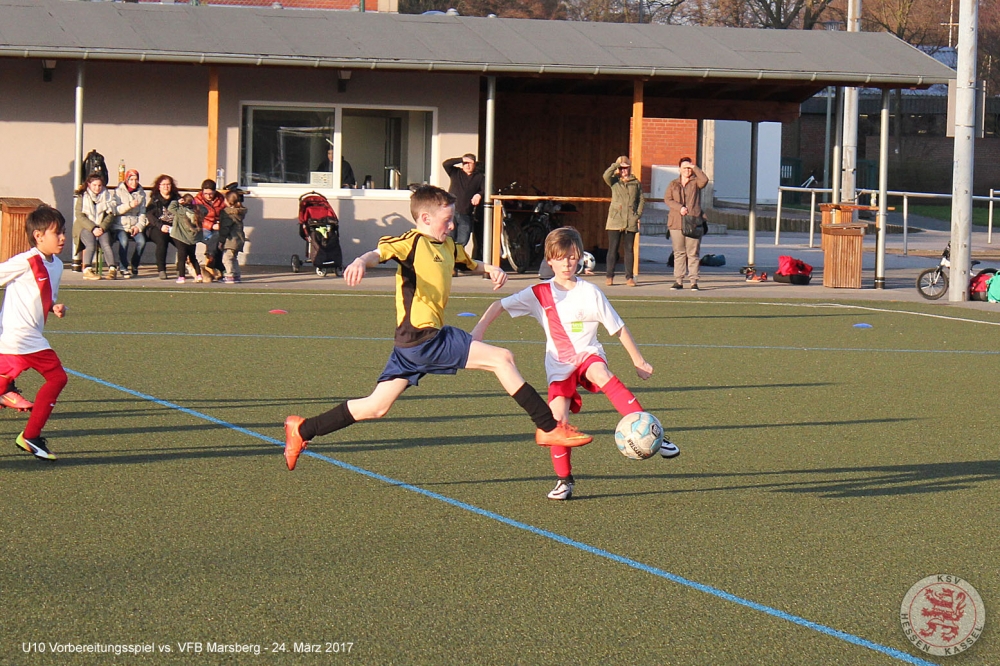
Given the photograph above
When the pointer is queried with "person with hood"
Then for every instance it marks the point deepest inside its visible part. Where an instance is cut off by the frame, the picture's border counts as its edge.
(131, 224)
(231, 235)
(627, 203)
(188, 220)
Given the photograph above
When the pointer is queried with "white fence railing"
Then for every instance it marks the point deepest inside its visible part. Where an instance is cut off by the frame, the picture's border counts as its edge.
(906, 196)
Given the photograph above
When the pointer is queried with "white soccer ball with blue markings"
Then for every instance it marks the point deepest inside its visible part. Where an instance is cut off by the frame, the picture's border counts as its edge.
(639, 435)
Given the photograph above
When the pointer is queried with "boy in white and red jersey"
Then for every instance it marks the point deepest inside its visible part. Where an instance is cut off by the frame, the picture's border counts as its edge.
(32, 283)
(571, 310)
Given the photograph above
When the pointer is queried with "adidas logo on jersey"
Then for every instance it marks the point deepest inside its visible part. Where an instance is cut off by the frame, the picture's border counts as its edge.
(438, 259)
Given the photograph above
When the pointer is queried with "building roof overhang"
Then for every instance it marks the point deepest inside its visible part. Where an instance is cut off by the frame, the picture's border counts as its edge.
(770, 67)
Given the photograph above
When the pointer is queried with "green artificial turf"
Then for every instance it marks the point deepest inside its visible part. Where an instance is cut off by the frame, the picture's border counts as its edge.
(824, 470)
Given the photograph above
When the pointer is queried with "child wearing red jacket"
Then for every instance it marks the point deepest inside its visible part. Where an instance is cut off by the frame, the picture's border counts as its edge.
(214, 204)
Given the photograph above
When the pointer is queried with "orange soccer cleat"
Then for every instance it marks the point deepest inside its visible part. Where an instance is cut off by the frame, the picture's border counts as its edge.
(563, 435)
(294, 444)
(14, 400)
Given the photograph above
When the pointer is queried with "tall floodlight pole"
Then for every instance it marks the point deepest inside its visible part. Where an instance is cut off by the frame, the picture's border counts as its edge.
(838, 147)
(752, 213)
(76, 264)
(826, 141)
(848, 183)
(883, 190)
(491, 110)
(965, 126)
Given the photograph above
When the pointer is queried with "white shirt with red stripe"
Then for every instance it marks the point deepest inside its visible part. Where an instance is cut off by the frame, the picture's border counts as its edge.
(570, 319)
(32, 284)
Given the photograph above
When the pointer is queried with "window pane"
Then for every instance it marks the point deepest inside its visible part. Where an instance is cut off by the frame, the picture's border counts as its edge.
(387, 148)
(286, 145)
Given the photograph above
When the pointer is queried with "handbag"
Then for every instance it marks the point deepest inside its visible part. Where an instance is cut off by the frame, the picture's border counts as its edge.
(692, 226)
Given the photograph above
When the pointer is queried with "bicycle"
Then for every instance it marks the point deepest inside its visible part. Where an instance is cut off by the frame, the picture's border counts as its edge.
(522, 241)
(932, 283)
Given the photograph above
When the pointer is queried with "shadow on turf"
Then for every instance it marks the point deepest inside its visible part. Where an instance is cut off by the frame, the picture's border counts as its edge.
(20, 461)
(712, 317)
(879, 481)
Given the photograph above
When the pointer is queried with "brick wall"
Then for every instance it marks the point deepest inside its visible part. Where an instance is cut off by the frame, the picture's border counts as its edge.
(928, 162)
(804, 138)
(666, 141)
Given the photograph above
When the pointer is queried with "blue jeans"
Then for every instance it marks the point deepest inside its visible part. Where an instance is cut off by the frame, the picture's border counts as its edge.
(90, 243)
(123, 239)
(463, 229)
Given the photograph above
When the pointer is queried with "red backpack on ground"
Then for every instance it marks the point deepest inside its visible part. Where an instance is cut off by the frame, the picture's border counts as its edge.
(978, 285)
(793, 271)
(791, 266)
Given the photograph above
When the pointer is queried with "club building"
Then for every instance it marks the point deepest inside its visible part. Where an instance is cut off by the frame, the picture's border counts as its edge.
(259, 96)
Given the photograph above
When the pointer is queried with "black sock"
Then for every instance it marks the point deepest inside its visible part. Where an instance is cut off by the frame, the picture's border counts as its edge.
(336, 419)
(531, 402)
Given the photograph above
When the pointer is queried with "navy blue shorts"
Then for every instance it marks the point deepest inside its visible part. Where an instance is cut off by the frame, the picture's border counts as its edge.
(444, 354)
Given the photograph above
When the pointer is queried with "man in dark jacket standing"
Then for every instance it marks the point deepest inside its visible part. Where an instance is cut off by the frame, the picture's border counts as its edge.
(467, 188)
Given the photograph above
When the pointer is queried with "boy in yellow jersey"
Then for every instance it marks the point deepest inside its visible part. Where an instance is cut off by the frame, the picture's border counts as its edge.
(423, 344)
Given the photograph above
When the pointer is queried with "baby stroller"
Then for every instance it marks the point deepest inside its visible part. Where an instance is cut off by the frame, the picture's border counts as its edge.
(320, 228)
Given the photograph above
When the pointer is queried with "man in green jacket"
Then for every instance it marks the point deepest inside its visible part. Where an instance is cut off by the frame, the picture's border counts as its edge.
(623, 216)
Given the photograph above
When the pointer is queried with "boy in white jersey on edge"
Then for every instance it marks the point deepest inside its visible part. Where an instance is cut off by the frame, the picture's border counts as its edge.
(32, 283)
(570, 310)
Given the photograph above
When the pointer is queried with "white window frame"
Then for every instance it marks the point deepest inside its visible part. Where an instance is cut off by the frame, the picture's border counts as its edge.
(290, 190)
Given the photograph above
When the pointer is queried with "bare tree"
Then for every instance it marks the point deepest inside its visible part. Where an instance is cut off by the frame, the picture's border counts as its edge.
(785, 14)
(536, 9)
(778, 14)
(989, 46)
(918, 22)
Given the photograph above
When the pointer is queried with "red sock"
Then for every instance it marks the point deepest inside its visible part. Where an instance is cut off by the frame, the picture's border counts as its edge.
(48, 365)
(621, 398)
(560, 461)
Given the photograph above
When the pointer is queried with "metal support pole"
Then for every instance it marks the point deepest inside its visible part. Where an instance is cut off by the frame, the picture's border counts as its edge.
(883, 189)
(838, 146)
(906, 223)
(965, 127)
(830, 94)
(76, 264)
(777, 220)
(848, 183)
(491, 254)
(989, 228)
(752, 217)
(812, 217)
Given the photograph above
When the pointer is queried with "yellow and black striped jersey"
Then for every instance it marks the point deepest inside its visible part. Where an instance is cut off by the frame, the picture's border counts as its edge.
(423, 282)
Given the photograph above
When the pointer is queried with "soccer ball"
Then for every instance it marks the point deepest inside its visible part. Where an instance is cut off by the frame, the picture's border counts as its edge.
(587, 264)
(639, 435)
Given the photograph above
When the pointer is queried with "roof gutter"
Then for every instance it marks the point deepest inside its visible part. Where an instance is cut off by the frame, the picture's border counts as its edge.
(821, 78)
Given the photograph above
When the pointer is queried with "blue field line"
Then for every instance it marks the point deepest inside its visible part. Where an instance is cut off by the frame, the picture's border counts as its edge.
(593, 550)
(263, 336)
